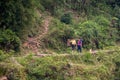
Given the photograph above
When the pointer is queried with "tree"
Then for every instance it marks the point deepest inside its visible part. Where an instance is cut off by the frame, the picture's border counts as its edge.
(16, 14)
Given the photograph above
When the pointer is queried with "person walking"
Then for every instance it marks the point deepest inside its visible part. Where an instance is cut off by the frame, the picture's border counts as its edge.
(73, 44)
(79, 45)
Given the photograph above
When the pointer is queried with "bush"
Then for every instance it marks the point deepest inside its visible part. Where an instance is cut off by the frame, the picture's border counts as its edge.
(116, 60)
(12, 71)
(60, 33)
(102, 21)
(90, 33)
(4, 55)
(66, 18)
(97, 33)
(9, 40)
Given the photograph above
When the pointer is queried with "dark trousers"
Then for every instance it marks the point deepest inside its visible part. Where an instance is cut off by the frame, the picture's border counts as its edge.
(79, 48)
(73, 47)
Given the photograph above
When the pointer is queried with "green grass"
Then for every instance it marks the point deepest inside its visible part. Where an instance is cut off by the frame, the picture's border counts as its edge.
(74, 66)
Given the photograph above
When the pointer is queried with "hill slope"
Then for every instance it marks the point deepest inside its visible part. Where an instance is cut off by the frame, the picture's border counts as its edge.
(43, 27)
(103, 65)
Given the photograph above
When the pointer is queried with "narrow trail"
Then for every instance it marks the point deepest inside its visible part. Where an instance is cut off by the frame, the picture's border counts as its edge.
(33, 43)
(76, 53)
(3, 78)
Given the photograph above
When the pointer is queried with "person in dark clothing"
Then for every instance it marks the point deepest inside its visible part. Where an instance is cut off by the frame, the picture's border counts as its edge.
(96, 44)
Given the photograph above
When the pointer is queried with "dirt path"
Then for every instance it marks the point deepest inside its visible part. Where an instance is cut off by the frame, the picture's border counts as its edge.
(74, 53)
(3, 78)
(33, 43)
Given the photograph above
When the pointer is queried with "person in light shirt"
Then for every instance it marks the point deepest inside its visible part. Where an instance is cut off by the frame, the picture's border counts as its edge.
(73, 44)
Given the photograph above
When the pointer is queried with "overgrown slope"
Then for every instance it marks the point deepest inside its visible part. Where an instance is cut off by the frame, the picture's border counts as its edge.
(44, 26)
(94, 21)
(101, 66)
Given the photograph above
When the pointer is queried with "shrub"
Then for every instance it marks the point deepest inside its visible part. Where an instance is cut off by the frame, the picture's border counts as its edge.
(116, 60)
(5, 55)
(90, 33)
(66, 18)
(97, 33)
(12, 71)
(9, 40)
(60, 33)
(102, 21)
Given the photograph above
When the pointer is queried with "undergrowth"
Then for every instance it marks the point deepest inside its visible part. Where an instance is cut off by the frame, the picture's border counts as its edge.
(75, 66)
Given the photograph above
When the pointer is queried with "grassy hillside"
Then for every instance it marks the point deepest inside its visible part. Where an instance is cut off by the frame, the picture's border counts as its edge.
(91, 20)
(102, 66)
(34, 34)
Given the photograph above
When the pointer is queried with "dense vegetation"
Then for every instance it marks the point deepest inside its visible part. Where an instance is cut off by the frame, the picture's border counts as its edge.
(102, 66)
(97, 22)
(94, 21)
